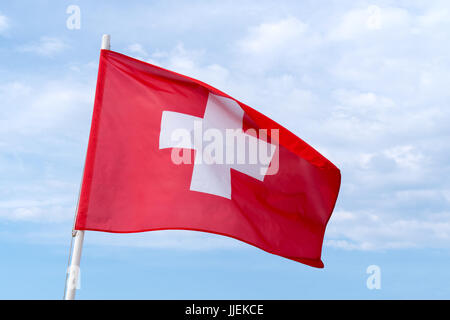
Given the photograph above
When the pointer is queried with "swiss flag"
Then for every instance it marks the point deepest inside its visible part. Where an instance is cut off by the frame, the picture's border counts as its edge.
(164, 153)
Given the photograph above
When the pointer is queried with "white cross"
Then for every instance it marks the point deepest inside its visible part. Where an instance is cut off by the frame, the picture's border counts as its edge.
(220, 114)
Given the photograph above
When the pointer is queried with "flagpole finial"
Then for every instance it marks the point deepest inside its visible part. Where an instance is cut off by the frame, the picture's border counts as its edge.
(106, 42)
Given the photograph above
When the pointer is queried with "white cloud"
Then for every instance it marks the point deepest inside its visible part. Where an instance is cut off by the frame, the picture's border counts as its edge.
(38, 107)
(364, 106)
(366, 86)
(276, 36)
(405, 156)
(286, 43)
(37, 214)
(189, 62)
(137, 51)
(362, 22)
(46, 46)
(369, 231)
(44, 126)
(41, 211)
(361, 100)
(378, 174)
(434, 18)
(4, 23)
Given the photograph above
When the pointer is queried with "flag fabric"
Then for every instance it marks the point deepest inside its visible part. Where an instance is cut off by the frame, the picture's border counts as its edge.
(168, 152)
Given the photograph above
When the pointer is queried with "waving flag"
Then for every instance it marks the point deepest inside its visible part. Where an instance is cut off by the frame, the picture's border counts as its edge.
(169, 152)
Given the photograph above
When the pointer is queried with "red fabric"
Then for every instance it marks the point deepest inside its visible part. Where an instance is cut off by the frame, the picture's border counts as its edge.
(130, 185)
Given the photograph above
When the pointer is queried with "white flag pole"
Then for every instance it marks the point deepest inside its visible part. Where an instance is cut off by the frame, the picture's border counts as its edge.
(74, 269)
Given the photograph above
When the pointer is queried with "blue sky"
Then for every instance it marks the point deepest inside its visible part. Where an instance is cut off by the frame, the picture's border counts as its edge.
(364, 82)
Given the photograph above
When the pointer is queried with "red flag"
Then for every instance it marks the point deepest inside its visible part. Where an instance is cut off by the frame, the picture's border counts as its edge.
(169, 152)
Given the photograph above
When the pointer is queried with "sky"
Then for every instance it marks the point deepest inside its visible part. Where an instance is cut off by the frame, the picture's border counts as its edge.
(363, 82)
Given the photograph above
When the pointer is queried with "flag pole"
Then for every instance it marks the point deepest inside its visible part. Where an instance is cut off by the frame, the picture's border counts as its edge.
(78, 235)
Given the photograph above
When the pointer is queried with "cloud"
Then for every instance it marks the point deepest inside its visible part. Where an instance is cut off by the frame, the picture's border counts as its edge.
(364, 22)
(44, 201)
(4, 24)
(362, 100)
(276, 44)
(405, 156)
(35, 211)
(44, 126)
(434, 18)
(137, 51)
(187, 62)
(373, 108)
(383, 164)
(275, 36)
(46, 46)
(365, 85)
(36, 108)
(371, 231)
